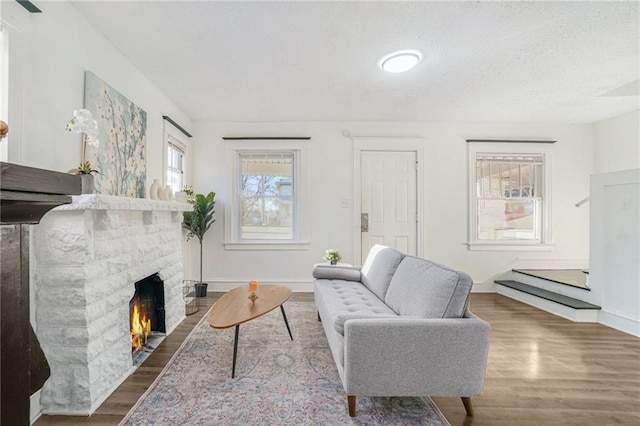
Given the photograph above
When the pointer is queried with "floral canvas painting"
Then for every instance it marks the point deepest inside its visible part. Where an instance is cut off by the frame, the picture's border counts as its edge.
(120, 158)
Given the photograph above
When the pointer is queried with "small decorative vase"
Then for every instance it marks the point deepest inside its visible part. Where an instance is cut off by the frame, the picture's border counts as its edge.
(88, 184)
(167, 193)
(333, 262)
(154, 191)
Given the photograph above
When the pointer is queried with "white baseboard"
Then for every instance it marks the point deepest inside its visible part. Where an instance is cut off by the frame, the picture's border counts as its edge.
(620, 322)
(576, 315)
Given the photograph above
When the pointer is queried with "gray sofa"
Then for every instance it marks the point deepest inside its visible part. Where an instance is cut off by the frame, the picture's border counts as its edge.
(399, 326)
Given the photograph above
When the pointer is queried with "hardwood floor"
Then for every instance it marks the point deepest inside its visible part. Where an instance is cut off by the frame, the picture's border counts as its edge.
(545, 370)
(542, 370)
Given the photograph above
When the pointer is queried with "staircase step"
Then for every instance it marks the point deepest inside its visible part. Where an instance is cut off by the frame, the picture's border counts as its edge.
(570, 277)
(548, 295)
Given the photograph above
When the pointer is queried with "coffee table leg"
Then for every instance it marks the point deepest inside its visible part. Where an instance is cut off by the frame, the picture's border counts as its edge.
(235, 351)
(285, 321)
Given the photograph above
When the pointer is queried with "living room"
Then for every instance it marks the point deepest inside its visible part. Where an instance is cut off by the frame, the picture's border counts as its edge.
(578, 54)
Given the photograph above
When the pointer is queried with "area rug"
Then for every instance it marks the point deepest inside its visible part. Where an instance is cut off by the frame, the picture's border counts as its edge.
(278, 381)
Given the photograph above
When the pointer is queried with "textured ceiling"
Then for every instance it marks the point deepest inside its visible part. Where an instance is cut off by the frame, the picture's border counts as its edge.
(317, 61)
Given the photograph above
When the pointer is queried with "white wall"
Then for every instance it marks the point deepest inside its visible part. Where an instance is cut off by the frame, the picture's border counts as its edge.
(59, 46)
(615, 251)
(617, 143)
(615, 217)
(330, 156)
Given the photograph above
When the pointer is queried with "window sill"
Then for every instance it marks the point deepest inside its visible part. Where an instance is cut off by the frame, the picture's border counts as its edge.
(266, 245)
(509, 247)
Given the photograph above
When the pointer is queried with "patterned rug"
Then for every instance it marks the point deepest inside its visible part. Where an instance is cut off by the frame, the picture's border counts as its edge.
(278, 381)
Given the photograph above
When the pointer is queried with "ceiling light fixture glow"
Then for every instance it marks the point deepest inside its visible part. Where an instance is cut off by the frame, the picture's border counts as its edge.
(400, 61)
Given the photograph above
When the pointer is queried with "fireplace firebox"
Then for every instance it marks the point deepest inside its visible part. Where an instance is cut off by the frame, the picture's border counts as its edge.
(146, 313)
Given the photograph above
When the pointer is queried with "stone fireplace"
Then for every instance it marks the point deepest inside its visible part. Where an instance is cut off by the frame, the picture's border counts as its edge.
(88, 257)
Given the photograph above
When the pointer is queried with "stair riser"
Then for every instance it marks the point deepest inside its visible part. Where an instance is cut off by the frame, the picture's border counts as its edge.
(566, 290)
(576, 315)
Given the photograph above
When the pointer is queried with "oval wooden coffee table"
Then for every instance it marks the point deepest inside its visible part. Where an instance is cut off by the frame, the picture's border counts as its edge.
(235, 308)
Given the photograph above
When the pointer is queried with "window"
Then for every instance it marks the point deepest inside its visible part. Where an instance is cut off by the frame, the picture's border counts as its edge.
(266, 191)
(267, 194)
(175, 165)
(508, 199)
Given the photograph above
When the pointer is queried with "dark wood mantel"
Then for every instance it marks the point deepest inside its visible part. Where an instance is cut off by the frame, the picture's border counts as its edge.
(26, 194)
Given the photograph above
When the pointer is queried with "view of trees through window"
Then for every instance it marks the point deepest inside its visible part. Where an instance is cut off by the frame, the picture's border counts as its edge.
(266, 191)
(509, 196)
(175, 167)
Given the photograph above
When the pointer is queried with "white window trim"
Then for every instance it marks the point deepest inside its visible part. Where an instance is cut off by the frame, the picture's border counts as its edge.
(545, 243)
(178, 146)
(176, 137)
(232, 239)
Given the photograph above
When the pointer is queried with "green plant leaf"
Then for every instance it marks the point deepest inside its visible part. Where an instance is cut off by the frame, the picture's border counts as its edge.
(198, 221)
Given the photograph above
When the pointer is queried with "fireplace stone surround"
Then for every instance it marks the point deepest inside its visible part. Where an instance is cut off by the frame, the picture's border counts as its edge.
(87, 257)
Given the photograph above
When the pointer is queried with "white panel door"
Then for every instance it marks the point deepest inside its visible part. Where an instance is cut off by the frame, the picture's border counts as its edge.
(388, 200)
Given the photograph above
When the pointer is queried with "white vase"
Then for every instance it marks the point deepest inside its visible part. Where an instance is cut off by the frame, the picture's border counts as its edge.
(167, 193)
(155, 190)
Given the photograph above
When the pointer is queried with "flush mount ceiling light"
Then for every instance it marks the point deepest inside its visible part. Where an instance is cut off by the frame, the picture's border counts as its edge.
(400, 61)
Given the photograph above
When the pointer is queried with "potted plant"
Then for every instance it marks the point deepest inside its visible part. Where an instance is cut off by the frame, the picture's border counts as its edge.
(333, 256)
(197, 222)
(84, 123)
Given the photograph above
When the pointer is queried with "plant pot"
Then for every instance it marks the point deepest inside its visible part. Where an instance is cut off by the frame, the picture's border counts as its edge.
(201, 289)
(88, 184)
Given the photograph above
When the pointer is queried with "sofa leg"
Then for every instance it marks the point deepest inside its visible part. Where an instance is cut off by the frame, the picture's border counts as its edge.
(352, 405)
(319, 320)
(466, 400)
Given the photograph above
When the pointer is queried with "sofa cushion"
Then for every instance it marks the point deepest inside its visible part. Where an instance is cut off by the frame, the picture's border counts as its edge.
(379, 267)
(345, 300)
(428, 290)
(336, 272)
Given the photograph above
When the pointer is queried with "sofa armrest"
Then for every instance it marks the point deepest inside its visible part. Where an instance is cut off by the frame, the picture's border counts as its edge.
(410, 356)
(336, 272)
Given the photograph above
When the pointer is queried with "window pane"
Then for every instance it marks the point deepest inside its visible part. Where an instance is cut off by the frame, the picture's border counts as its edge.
(175, 167)
(266, 196)
(508, 219)
(508, 176)
(509, 196)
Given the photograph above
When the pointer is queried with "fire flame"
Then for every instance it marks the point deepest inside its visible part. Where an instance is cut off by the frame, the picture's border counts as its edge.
(140, 328)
